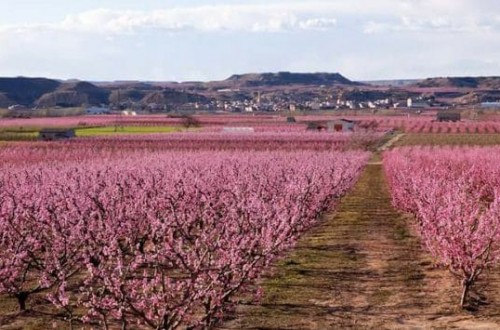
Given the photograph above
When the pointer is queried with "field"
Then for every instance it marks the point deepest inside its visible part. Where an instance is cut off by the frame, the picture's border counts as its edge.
(449, 139)
(412, 124)
(161, 226)
(109, 130)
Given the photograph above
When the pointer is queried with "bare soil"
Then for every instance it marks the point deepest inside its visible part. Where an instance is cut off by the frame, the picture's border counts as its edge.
(364, 267)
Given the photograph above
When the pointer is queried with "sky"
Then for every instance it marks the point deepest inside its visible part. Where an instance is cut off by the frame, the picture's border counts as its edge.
(174, 40)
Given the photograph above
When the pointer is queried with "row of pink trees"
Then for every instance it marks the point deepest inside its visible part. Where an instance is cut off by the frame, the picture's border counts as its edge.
(113, 146)
(158, 240)
(455, 195)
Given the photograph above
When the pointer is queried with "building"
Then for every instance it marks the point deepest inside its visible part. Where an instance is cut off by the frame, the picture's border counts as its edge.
(339, 125)
(128, 113)
(418, 104)
(448, 116)
(18, 107)
(51, 134)
(315, 106)
(316, 126)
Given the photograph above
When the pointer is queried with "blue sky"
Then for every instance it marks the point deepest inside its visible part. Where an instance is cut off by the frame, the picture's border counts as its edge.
(208, 40)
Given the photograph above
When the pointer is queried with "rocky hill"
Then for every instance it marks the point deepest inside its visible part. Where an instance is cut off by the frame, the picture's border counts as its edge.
(487, 83)
(289, 78)
(171, 97)
(46, 93)
(26, 91)
(5, 101)
(74, 94)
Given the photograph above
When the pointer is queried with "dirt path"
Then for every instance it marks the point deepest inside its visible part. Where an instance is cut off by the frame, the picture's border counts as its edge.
(362, 268)
(391, 142)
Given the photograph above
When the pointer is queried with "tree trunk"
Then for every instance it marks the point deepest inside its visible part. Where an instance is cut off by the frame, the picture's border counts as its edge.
(465, 291)
(21, 300)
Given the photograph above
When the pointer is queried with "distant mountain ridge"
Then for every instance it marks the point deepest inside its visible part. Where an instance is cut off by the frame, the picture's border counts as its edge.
(43, 92)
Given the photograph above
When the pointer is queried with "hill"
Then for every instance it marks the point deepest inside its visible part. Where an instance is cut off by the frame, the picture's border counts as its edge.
(74, 94)
(26, 91)
(288, 78)
(170, 97)
(461, 82)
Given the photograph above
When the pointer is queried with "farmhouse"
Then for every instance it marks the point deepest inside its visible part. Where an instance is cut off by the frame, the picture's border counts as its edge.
(50, 134)
(417, 104)
(448, 116)
(339, 125)
(316, 126)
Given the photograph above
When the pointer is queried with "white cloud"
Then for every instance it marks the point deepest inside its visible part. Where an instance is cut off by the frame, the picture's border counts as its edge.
(254, 18)
(445, 24)
(273, 16)
(440, 16)
(318, 23)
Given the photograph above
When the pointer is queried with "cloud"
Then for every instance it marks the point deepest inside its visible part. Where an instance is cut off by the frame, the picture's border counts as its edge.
(437, 16)
(282, 16)
(213, 18)
(318, 23)
(434, 24)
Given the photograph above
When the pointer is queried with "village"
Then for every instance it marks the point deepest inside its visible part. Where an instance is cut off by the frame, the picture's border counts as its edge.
(275, 105)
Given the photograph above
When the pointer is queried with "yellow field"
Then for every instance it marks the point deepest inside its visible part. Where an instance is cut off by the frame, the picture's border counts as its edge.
(110, 130)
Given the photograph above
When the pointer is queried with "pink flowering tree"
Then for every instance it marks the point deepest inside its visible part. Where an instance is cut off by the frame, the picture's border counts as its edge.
(457, 208)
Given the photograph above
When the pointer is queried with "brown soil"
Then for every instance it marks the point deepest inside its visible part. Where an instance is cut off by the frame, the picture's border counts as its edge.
(364, 268)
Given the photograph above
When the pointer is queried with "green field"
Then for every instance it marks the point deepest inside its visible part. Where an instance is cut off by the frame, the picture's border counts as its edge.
(17, 135)
(448, 139)
(26, 134)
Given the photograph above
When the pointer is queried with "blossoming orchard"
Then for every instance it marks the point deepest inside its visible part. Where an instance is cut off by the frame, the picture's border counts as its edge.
(201, 228)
